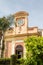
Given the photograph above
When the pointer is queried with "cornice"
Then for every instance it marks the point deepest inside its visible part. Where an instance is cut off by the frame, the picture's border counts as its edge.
(21, 35)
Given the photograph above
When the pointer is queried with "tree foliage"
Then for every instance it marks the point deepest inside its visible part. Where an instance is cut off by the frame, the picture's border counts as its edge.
(34, 47)
(4, 24)
(12, 20)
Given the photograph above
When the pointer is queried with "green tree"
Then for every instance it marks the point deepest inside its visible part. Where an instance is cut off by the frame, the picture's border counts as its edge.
(12, 20)
(34, 47)
(4, 24)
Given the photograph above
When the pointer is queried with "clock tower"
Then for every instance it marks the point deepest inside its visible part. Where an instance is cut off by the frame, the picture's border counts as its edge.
(21, 22)
(14, 36)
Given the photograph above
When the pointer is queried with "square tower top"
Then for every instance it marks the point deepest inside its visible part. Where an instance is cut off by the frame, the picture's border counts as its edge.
(21, 13)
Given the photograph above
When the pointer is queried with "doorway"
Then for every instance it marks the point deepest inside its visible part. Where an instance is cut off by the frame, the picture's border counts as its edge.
(19, 51)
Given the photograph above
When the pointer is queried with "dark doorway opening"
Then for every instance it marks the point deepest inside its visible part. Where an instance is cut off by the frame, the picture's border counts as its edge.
(19, 51)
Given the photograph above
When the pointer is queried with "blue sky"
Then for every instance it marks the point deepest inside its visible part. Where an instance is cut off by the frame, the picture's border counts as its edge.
(33, 7)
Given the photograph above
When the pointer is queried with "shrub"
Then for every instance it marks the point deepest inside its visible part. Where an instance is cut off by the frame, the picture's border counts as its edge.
(4, 61)
(20, 61)
(13, 60)
(34, 47)
(9, 61)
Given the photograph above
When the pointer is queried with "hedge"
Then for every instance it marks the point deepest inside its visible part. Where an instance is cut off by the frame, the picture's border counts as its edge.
(4, 61)
(13, 60)
(9, 61)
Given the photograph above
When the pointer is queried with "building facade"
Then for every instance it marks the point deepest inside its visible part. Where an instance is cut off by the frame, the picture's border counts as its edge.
(14, 36)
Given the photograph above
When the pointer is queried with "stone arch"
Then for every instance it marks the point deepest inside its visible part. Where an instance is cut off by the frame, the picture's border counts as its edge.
(19, 51)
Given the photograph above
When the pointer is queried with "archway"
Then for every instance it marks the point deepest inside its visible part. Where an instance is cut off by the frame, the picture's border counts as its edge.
(19, 51)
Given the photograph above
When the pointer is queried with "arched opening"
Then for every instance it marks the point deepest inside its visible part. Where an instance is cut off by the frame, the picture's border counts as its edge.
(19, 51)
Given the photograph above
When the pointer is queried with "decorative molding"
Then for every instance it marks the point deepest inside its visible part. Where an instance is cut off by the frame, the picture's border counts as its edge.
(19, 41)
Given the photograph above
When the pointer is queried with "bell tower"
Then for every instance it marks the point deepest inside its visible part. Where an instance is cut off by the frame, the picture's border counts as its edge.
(21, 22)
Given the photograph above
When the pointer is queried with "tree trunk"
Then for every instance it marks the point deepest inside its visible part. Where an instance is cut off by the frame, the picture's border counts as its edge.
(2, 44)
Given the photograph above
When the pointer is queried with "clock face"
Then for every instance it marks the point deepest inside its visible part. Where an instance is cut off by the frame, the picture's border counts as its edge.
(20, 22)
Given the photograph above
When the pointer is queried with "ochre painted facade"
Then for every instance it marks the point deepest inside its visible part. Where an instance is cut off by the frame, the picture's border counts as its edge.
(14, 37)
